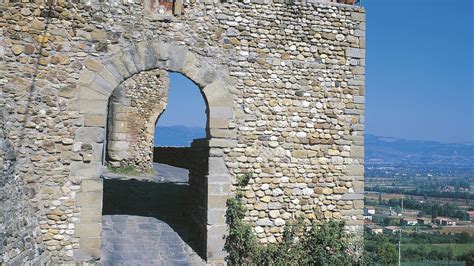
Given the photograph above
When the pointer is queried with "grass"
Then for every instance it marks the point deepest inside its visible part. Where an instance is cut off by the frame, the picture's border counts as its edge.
(458, 249)
(130, 170)
(458, 229)
(433, 263)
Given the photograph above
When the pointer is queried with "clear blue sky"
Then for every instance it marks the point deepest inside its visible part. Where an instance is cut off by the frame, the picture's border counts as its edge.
(186, 105)
(419, 69)
(419, 73)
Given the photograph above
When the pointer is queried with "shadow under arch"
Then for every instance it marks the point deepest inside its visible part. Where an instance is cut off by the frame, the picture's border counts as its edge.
(101, 76)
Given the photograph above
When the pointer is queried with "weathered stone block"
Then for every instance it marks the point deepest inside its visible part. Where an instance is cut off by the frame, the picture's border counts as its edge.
(88, 230)
(177, 57)
(353, 196)
(354, 170)
(94, 120)
(222, 143)
(357, 152)
(218, 178)
(91, 215)
(92, 185)
(218, 122)
(218, 189)
(217, 167)
(223, 133)
(217, 201)
(91, 245)
(88, 170)
(215, 216)
(90, 134)
(358, 16)
(86, 93)
(355, 53)
(217, 95)
(221, 112)
(93, 106)
(359, 99)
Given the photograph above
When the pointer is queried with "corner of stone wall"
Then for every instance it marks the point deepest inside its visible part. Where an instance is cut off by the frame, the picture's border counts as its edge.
(89, 227)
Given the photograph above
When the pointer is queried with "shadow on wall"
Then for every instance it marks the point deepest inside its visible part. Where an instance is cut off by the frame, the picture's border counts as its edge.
(168, 202)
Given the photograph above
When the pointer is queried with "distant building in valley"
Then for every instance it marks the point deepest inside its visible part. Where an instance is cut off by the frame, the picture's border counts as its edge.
(374, 229)
(392, 230)
(444, 221)
(369, 211)
(409, 221)
(424, 221)
(470, 216)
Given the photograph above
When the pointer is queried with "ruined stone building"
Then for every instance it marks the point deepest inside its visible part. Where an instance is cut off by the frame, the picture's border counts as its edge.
(82, 84)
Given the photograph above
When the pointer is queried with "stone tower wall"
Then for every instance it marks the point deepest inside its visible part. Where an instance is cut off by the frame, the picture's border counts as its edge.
(132, 113)
(284, 85)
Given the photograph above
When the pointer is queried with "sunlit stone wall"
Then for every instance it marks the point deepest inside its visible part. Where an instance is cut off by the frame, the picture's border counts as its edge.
(284, 84)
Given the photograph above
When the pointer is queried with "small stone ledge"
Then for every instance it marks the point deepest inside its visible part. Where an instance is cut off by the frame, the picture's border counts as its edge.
(86, 170)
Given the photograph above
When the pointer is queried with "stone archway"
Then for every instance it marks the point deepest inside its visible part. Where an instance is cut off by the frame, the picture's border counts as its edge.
(97, 81)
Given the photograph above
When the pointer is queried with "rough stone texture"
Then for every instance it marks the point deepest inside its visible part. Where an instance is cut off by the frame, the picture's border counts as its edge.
(19, 229)
(133, 110)
(284, 86)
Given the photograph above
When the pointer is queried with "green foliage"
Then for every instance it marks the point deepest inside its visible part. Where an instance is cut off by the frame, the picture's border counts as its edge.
(244, 180)
(382, 249)
(467, 257)
(426, 208)
(326, 243)
(130, 170)
(386, 253)
(379, 250)
(425, 191)
(240, 242)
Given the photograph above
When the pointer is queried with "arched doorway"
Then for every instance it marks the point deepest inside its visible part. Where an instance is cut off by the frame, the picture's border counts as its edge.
(99, 80)
(159, 192)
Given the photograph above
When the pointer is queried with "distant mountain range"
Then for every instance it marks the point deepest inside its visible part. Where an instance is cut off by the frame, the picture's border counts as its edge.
(395, 151)
(178, 136)
(380, 152)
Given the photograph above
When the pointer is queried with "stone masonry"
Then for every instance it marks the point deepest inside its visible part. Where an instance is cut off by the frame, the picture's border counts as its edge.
(133, 109)
(284, 85)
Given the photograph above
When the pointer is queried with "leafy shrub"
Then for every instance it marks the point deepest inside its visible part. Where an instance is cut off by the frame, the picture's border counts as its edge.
(325, 243)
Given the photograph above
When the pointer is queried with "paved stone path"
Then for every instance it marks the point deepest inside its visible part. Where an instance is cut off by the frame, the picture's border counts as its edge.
(146, 223)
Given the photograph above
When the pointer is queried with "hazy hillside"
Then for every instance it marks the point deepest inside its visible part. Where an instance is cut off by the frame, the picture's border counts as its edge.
(394, 150)
(383, 155)
(178, 135)
(400, 157)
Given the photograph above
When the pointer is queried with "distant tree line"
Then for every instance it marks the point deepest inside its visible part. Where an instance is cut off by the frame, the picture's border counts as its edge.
(424, 193)
(429, 208)
(382, 249)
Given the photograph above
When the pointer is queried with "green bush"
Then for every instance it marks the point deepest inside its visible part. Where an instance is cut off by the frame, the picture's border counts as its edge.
(325, 243)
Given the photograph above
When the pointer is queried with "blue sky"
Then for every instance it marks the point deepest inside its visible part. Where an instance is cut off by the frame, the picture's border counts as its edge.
(186, 105)
(419, 69)
(419, 73)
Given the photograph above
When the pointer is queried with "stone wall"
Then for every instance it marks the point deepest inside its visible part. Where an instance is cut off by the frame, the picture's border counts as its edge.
(195, 159)
(198, 185)
(174, 156)
(19, 230)
(133, 109)
(284, 84)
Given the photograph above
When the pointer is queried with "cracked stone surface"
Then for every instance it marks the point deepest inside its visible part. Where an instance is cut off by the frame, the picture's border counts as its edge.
(146, 223)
